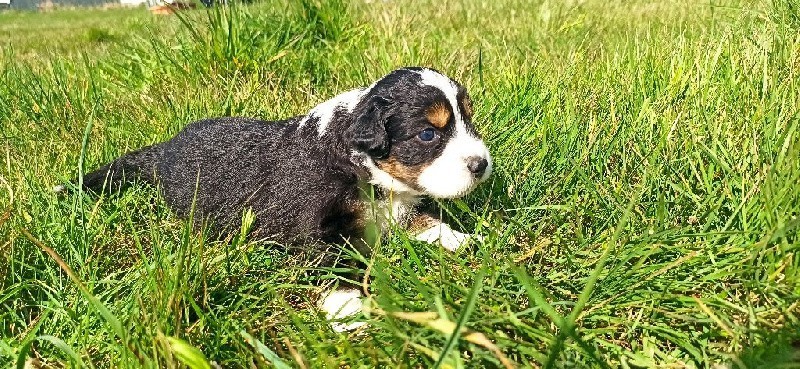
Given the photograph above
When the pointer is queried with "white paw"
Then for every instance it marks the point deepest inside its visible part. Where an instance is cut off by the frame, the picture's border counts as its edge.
(340, 304)
(447, 237)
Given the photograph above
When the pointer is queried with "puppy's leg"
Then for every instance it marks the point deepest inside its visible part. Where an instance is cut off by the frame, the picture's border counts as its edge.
(339, 304)
(343, 302)
(431, 229)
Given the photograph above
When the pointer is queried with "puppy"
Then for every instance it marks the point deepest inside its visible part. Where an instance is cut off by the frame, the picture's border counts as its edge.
(406, 136)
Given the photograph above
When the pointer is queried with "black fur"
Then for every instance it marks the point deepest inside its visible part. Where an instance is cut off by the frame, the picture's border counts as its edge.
(226, 165)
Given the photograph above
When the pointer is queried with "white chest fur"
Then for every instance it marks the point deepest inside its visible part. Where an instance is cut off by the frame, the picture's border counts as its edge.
(395, 209)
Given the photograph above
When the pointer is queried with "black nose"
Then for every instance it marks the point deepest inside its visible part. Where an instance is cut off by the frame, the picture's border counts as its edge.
(477, 165)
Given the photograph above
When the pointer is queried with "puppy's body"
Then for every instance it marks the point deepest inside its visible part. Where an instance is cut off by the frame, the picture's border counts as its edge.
(408, 135)
(304, 177)
(298, 190)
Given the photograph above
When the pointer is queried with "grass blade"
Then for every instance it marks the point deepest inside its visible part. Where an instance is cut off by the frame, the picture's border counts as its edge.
(469, 307)
(265, 351)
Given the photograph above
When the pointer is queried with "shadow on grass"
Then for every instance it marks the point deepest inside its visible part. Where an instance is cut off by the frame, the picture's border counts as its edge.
(780, 349)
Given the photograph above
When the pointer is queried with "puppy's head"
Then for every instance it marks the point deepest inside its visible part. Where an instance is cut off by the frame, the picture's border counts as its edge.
(415, 128)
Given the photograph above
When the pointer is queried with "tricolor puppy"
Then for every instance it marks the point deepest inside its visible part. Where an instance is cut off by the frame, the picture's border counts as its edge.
(408, 135)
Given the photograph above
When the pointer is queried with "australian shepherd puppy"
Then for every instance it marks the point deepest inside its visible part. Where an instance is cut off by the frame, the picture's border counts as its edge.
(408, 135)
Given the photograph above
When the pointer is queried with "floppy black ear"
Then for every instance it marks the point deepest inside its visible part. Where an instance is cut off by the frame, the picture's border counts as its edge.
(368, 131)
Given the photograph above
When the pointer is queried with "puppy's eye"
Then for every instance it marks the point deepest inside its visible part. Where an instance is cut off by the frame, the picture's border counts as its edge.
(427, 134)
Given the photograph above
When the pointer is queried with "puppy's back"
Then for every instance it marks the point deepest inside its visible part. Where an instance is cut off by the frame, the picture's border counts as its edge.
(222, 166)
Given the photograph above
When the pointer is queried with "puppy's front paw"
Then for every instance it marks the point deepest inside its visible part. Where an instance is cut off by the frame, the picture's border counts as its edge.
(446, 236)
(340, 304)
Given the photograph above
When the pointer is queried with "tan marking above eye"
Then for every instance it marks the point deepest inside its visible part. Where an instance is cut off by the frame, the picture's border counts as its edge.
(467, 104)
(438, 115)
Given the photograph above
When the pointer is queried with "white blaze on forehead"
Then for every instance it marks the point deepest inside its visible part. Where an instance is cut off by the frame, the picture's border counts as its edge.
(324, 111)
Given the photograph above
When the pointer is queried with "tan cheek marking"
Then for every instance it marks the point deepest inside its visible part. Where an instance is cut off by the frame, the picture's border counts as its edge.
(438, 115)
(404, 173)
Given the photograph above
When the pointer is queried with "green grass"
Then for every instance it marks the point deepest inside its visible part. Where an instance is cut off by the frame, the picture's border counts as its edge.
(643, 213)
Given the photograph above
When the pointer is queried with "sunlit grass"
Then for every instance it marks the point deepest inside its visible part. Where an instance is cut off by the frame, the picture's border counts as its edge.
(643, 211)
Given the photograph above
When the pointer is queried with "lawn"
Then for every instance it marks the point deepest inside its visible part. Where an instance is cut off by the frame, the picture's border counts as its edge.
(643, 211)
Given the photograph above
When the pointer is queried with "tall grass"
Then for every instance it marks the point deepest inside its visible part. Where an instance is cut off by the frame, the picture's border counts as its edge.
(643, 212)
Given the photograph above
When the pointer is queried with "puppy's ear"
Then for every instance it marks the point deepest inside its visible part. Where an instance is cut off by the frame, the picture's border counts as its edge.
(368, 131)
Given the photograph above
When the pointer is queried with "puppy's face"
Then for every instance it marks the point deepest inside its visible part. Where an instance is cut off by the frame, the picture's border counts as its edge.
(416, 127)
